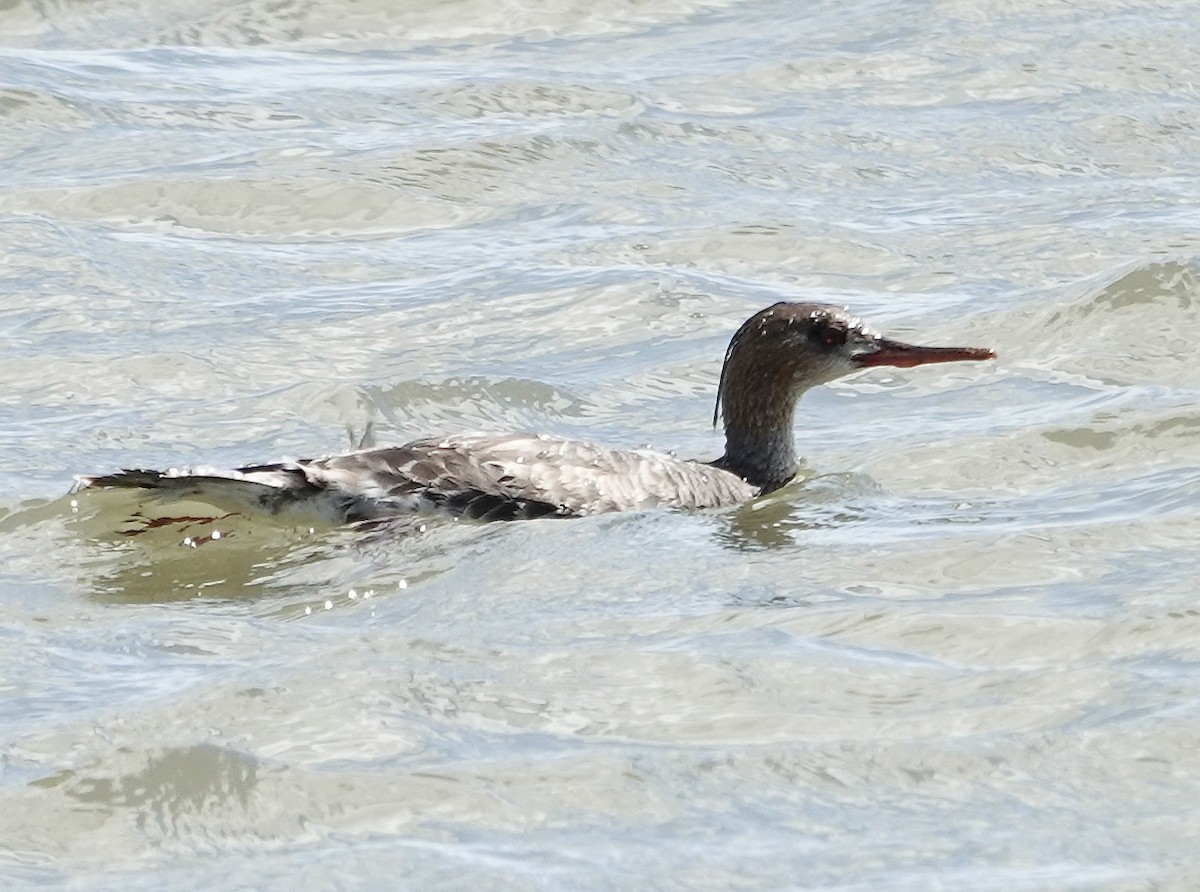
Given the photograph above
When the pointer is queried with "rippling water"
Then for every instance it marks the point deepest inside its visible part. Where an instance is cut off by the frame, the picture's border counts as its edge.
(962, 652)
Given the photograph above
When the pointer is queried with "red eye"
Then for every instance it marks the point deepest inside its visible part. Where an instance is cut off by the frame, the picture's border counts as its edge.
(833, 336)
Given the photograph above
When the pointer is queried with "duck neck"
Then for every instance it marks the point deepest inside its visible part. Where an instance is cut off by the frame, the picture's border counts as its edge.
(759, 446)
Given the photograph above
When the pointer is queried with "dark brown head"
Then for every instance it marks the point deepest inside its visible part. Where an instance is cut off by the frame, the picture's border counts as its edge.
(790, 347)
(778, 354)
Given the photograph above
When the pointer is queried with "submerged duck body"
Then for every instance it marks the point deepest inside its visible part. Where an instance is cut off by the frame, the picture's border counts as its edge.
(773, 358)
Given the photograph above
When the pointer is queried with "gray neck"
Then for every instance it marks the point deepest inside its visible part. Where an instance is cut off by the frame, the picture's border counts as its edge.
(761, 381)
(758, 430)
(763, 457)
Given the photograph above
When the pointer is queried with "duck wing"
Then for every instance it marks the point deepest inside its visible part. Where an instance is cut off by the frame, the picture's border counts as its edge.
(481, 475)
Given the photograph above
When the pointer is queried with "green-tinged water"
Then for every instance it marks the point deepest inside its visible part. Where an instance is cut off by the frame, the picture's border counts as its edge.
(962, 652)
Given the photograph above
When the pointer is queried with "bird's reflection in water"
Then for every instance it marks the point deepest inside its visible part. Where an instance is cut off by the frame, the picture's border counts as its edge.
(811, 502)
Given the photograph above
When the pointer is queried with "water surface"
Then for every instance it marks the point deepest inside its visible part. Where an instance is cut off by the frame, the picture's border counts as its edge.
(960, 652)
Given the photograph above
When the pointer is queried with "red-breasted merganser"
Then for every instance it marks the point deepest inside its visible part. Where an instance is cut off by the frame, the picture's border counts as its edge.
(776, 355)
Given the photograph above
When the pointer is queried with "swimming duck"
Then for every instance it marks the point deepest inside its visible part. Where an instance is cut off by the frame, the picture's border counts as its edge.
(773, 358)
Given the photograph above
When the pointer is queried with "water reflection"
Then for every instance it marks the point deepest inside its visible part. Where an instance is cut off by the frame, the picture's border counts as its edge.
(809, 502)
(121, 550)
(176, 785)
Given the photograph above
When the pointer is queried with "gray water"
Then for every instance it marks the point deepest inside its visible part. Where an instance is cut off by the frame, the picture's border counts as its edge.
(962, 651)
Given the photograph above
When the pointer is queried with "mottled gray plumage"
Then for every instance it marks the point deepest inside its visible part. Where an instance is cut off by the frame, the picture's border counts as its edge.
(773, 358)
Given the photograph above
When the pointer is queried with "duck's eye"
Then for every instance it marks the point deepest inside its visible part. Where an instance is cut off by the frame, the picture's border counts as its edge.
(830, 335)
